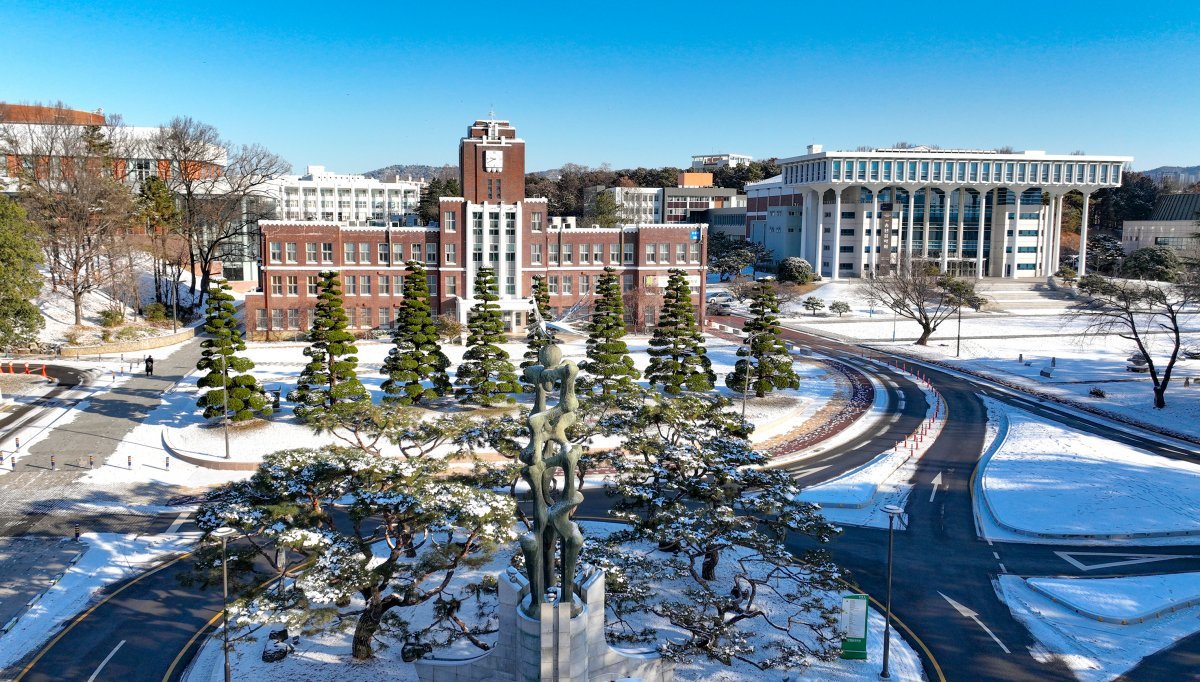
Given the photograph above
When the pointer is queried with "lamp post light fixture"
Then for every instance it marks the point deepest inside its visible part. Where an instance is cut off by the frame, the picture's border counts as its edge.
(893, 513)
(223, 534)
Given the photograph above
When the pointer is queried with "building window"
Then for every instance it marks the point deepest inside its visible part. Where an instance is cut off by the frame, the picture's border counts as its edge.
(680, 253)
(398, 284)
(489, 190)
(448, 221)
(510, 285)
(664, 253)
(352, 317)
(364, 285)
(310, 252)
(477, 222)
(277, 319)
(585, 285)
(384, 253)
(452, 253)
(431, 253)
(384, 320)
(566, 285)
(276, 285)
(845, 249)
(313, 285)
(293, 285)
(493, 253)
(510, 224)
(385, 285)
(846, 232)
(628, 282)
(431, 281)
(629, 254)
(535, 221)
(477, 252)
(650, 251)
(451, 285)
(1027, 266)
(695, 258)
(568, 254)
(291, 252)
(397, 253)
(1027, 249)
(585, 254)
(351, 285)
(364, 253)
(614, 254)
(293, 318)
(260, 319)
(554, 254)
(552, 284)
(349, 253)
(276, 252)
(535, 254)
(327, 252)
(510, 252)
(414, 251)
(494, 224)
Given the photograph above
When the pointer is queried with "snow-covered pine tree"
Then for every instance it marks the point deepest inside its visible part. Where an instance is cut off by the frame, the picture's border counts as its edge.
(678, 360)
(535, 340)
(608, 361)
(485, 377)
(772, 364)
(417, 355)
(426, 526)
(687, 478)
(329, 381)
(225, 370)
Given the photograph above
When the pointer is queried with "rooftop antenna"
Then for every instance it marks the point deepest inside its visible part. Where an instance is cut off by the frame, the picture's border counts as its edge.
(492, 112)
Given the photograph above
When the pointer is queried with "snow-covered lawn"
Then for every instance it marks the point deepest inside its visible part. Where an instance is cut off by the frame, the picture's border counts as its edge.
(1100, 651)
(1048, 479)
(107, 558)
(327, 656)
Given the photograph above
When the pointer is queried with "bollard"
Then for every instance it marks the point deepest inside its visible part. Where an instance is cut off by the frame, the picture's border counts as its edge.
(129, 462)
(1021, 357)
(1054, 362)
(77, 532)
(18, 443)
(14, 462)
(167, 462)
(91, 462)
(51, 462)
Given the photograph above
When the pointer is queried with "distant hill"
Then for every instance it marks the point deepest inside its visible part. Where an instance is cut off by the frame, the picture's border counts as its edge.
(1183, 175)
(415, 170)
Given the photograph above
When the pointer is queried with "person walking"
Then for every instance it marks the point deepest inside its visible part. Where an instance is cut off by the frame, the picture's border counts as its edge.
(149, 365)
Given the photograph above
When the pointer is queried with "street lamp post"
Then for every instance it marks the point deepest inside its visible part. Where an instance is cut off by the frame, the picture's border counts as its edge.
(223, 534)
(893, 513)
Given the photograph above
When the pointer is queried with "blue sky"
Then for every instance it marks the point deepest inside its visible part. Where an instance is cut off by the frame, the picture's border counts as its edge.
(353, 86)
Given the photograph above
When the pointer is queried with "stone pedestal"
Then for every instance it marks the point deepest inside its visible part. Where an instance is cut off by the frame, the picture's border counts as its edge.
(555, 647)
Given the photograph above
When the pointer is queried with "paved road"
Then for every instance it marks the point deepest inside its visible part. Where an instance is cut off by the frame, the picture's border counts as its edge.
(940, 552)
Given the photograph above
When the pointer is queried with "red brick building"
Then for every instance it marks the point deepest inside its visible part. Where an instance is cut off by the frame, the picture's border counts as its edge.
(493, 225)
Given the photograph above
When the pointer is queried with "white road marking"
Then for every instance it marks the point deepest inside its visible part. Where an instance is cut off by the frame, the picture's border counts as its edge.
(105, 661)
(179, 521)
(968, 613)
(810, 470)
(1002, 570)
(1129, 559)
(937, 483)
(996, 554)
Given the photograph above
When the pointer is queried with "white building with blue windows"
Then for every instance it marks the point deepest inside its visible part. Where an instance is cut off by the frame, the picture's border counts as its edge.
(975, 213)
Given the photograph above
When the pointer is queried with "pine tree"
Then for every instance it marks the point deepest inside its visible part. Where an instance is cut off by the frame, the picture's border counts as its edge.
(329, 381)
(678, 360)
(417, 355)
(485, 375)
(225, 370)
(535, 340)
(608, 360)
(20, 281)
(772, 364)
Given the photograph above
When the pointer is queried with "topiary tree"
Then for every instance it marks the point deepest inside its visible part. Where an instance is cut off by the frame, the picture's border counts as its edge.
(839, 307)
(772, 365)
(535, 340)
(231, 392)
(485, 377)
(812, 303)
(795, 269)
(416, 356)
(328, 381)
(678, 360)
(1157, 263)
(608, 361)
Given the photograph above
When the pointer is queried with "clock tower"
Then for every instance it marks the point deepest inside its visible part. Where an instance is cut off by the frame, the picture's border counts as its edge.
(491, 159)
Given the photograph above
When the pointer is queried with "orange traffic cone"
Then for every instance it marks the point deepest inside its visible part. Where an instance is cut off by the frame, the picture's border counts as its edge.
(44, 375)
(27, 368)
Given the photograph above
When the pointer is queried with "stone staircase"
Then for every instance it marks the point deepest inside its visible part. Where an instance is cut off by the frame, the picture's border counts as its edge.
(1022, 295)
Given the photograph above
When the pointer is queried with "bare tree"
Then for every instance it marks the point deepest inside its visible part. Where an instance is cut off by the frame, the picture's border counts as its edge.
(73, 186)
(920, 292)
(1145, 313)
(221, 191)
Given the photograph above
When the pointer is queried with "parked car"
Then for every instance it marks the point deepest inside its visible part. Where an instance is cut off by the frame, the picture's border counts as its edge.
(718, 296)
(720, 307)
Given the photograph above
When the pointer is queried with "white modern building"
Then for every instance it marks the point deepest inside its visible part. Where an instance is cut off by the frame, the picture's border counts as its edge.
(638, 204)
(346, 198)
(1175, 222)
(976, 213)
(711, 162)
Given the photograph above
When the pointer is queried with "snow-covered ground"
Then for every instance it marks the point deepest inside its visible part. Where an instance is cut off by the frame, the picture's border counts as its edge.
(1045, 478)
(327, 656)
(107, 558)
(1099, 651)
